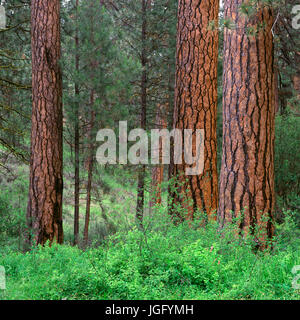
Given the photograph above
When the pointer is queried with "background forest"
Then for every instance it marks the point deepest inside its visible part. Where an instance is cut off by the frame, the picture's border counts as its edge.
(119, 61)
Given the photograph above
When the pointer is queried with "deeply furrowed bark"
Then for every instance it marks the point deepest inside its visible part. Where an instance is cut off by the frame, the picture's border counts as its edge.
(196, 99)
(247, 172)
(44, 213)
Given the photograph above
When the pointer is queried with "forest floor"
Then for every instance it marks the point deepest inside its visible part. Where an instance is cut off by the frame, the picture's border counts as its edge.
(163, 261)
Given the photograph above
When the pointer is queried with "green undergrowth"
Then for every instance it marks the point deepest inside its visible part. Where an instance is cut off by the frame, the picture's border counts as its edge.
(162, 261)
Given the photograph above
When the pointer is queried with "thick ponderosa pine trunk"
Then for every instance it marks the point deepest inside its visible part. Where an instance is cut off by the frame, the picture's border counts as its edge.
(44, 214)
(196, 99)
(247, 172)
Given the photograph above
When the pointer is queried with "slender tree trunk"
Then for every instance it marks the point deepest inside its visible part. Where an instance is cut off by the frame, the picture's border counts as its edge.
(76, 138)
(296, 78)
(170, 117)
(44, 213)
(161, 122)
(276, 89)
(90, 159)
(90, 165)
(196, 100)
(284, 94)
(158, 171)
(142, 170)
(247, 172)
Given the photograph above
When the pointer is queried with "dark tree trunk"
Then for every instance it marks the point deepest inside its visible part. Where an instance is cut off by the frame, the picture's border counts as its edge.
(76, 138)
(90, 165)
(142, 170)
(247, 172)
(296, 78)
(276, 89)
(44, 214)
(161, 122)
(196, 100)
(158, 170)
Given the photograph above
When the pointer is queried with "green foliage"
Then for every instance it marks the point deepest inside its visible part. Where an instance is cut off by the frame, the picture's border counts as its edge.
(162, 261)
(287, 161)
(13, 204)
(15, 82)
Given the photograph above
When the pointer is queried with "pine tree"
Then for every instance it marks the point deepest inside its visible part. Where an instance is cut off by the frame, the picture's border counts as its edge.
(247, 172)
(15, 87)
(44, 213)
(196, 100)
(76, 132)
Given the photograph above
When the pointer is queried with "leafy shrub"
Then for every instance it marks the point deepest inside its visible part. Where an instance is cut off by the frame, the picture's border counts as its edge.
(162, 261)
(287, 161)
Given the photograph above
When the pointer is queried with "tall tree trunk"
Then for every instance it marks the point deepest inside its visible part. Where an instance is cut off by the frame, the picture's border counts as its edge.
(158, 170)
(90, 165)
(161, 122)
(76, 137)
(196, 99)
(91, 146)
(276, 88)
(247, 172)
(142, 170)
(296, 78)
(44, 213)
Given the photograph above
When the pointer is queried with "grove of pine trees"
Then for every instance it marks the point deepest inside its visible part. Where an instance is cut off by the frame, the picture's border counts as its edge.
(125, 230)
